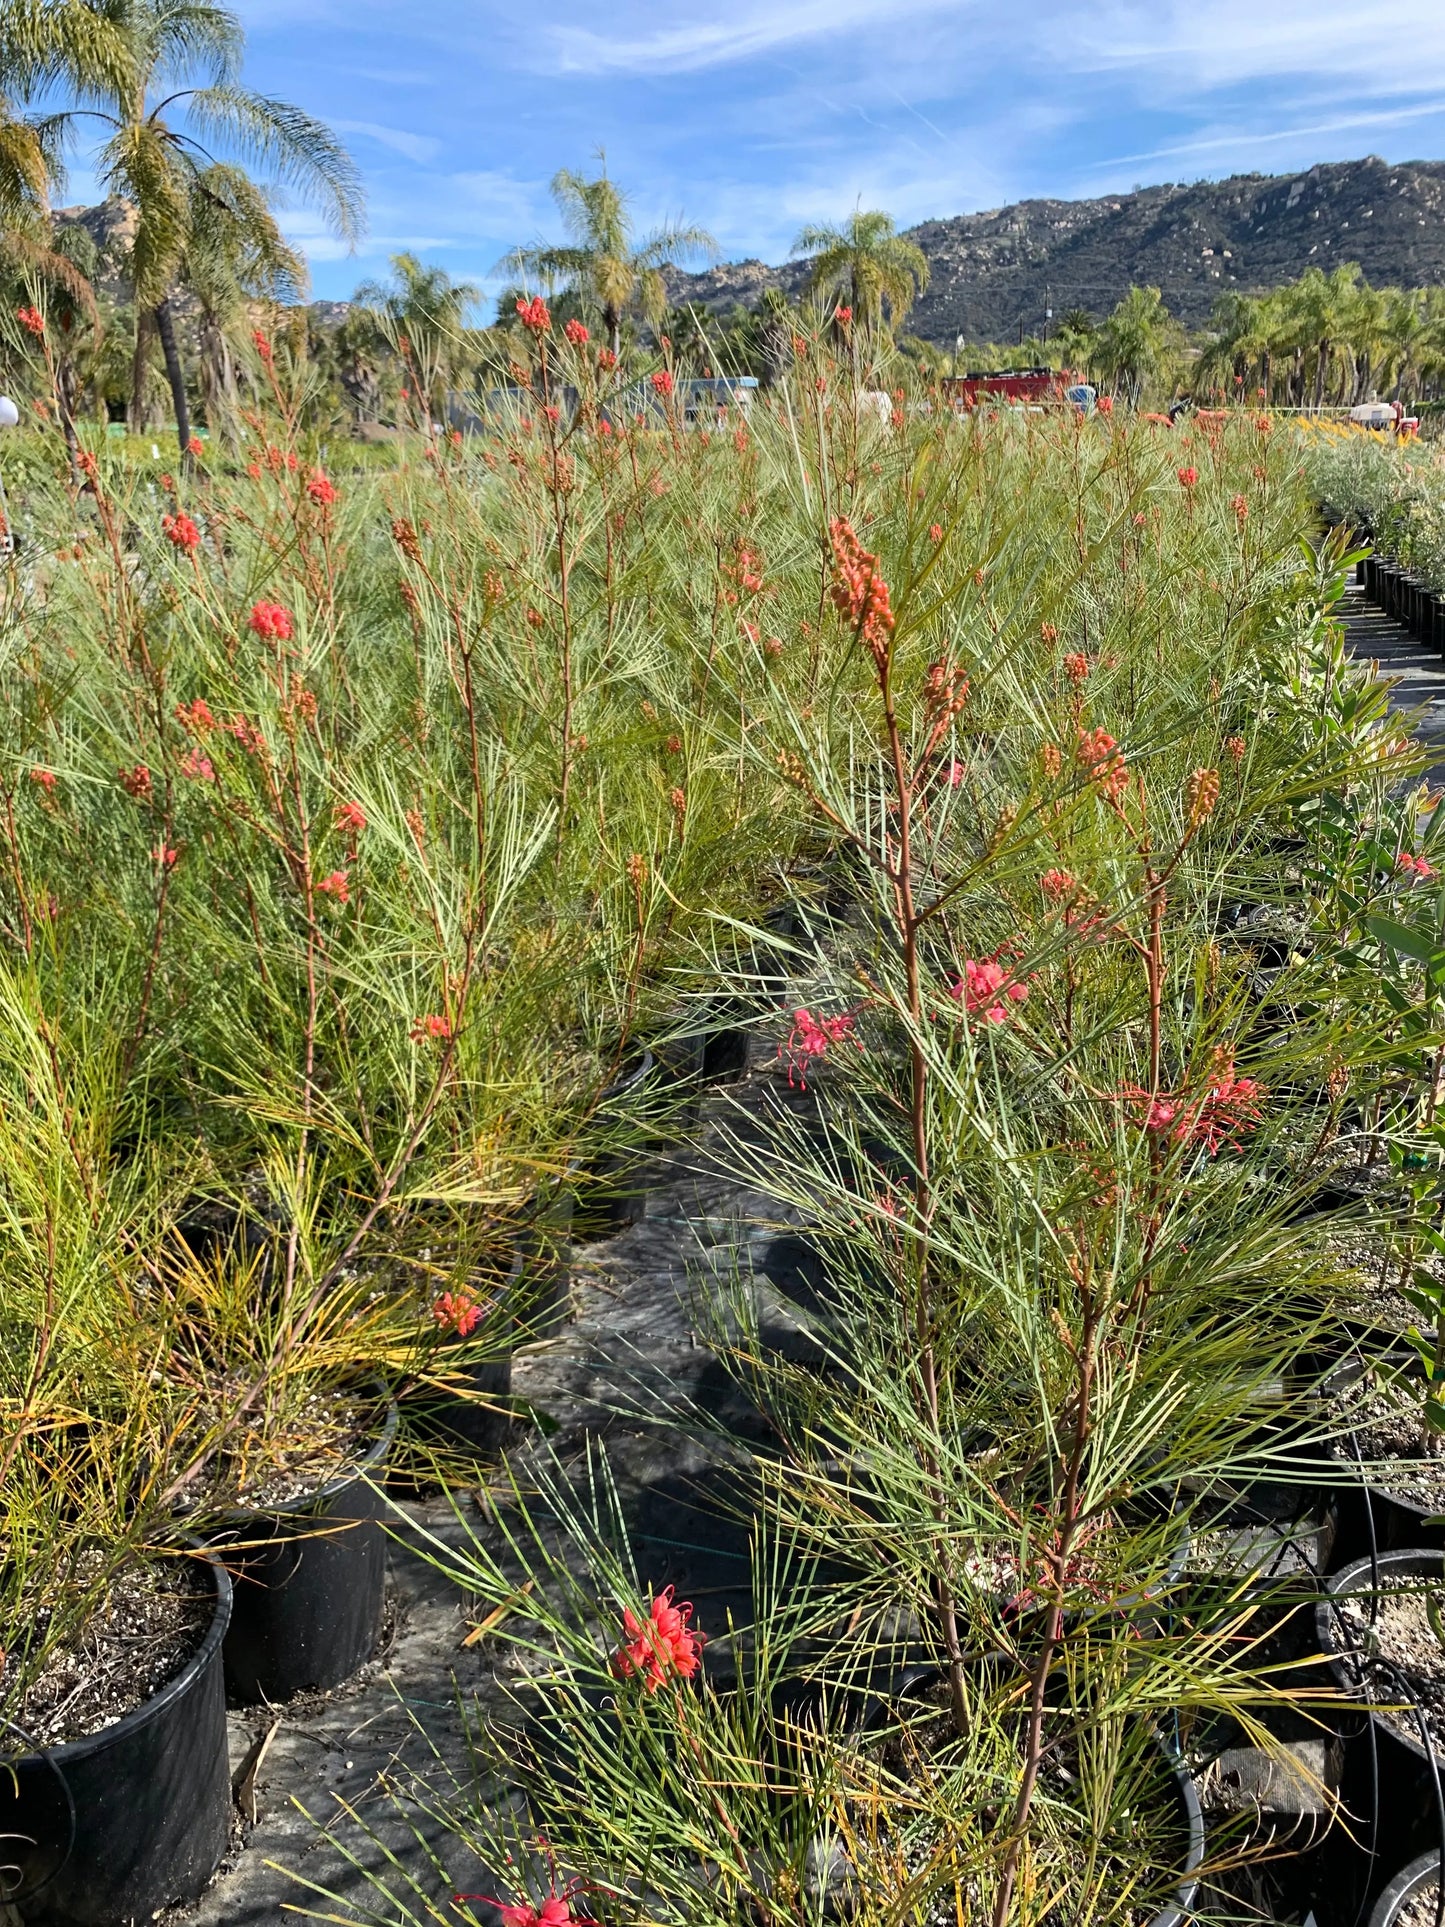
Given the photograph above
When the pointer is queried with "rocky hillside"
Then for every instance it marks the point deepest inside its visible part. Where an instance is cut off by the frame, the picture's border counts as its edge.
(995, 274)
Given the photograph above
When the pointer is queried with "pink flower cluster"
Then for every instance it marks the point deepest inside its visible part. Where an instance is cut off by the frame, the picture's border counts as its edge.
(660, 1648)
(1097, 751)
(859, 592)
(457, 1311)
(1413, 866)
(181, 532)
(535, 316)
(810, 1038)
(987, 988)
(271, 622)
(1229, 1108)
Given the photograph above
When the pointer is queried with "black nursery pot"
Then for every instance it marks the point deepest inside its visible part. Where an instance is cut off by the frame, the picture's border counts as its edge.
(1181, 1791)
(1427, 1871)
(133, 1819)
(1389, 1778)
(310, 1584)
(1364, 1516)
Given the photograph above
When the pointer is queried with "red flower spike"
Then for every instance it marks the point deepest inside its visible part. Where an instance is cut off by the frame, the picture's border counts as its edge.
(457, 1312)
(576, 334)
(182, 532)
(350, 818)
(271, 622)
(32, 320)
(534, 316)
(661, 1648)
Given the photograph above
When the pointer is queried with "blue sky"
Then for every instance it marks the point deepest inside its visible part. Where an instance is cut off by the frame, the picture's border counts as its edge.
(753, 117)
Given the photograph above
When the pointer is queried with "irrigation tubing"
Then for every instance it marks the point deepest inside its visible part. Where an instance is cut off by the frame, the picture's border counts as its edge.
(17, 1894)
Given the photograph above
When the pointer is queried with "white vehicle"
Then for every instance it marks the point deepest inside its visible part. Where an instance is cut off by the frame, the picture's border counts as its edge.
(9, 418)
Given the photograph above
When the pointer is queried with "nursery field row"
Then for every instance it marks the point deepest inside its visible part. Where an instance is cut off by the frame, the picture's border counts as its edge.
(968, 842)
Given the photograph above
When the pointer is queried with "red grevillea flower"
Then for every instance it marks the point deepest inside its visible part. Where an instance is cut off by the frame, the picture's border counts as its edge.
(429, 1027)
(322, 490)
(845, 315)
(43, 779)
(535, 316)
(337, 885)
(165, 855)
(1105, 404)
(1076, 667)
(195, 446)
(253, 469)
(1236, 747)
(195, 716)
(271, 622)
(935, 531)
(199, 768)
(182, 532)
(1057, 885)
(457, 1311)
(555, 1911)
(1240, 505)
(1097, 752)
(262, 345)
(660, 1648)
(662, 381)
(1410, 866)
(350, 818)
(136, 782)
(1224, 1113)
(31, 319)
(606, 360)
(859, 591)
(1188, 477)
(810, 1038)
(576, 333)
(987, 988)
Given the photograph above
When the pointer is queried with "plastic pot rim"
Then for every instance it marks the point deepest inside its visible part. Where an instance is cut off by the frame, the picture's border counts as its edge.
(149, 1709)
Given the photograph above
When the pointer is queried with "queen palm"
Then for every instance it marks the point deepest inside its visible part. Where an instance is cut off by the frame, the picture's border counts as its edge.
(168, 60)
(422, 306)
(602, 263)
(236, 255)
(867, 261)
(1135, 342)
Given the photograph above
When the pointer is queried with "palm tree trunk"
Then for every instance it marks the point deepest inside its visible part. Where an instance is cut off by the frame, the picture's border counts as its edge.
(175, 374)
(1321, 363)
(612, 321)
(65, 401)
(139, 404)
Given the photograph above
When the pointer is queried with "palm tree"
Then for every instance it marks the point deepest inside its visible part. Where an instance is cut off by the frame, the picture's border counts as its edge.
(1364, 320)
(163, 58)
(1320, 303)
(603, 264)
(236, 255)
(426, 310)
(1403, 332)
(1135, 343)
(870, 262)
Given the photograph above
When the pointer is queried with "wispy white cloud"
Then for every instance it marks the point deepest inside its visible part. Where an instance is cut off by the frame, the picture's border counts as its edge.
(1236, 138)
(416, 147)
(727, 38)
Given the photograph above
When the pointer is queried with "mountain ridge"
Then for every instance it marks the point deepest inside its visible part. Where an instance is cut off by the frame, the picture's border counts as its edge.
(994, 274)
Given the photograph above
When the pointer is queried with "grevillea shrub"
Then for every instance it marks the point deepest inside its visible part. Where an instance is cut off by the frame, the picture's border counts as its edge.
(374, 830)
